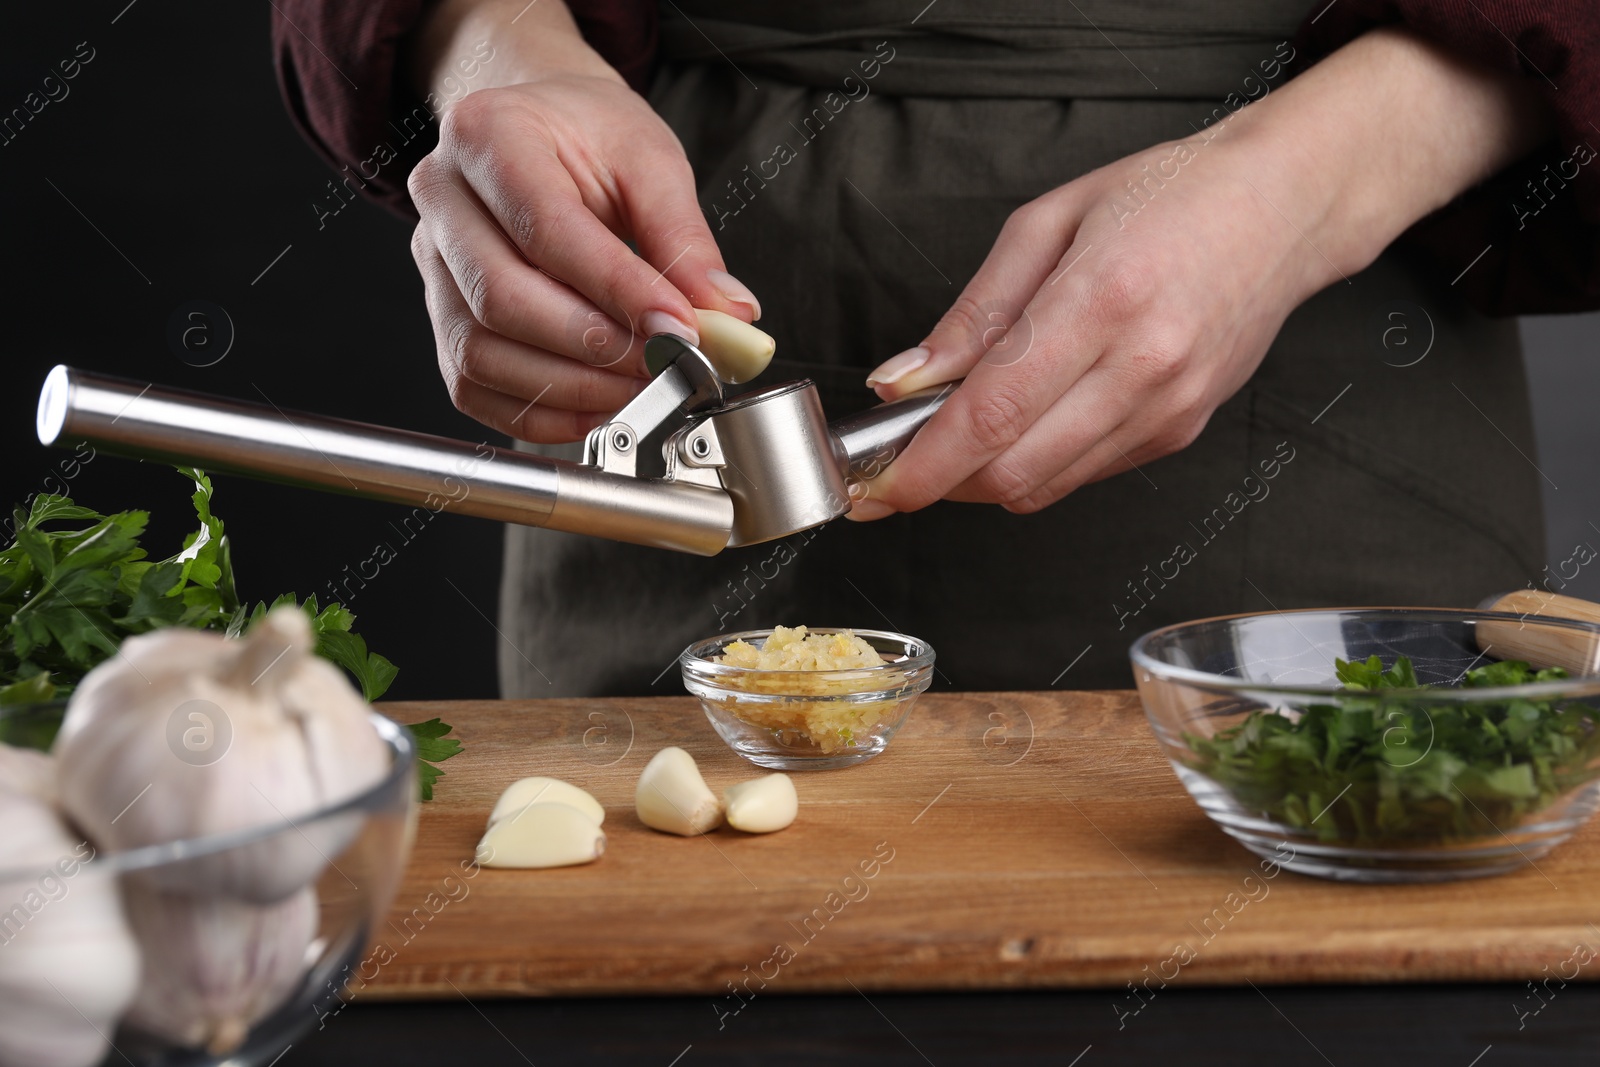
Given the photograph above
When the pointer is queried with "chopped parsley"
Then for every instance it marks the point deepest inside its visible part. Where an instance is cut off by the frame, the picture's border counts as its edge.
(1378, 765)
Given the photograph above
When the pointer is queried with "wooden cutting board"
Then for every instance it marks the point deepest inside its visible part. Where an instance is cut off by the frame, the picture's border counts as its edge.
(1003, 840)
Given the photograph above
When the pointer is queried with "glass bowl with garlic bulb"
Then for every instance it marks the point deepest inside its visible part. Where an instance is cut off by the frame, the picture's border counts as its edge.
(192, 873)
(798, 698)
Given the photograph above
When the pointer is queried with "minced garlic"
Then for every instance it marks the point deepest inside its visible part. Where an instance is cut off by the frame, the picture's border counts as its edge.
(796, 650)
(790, 654)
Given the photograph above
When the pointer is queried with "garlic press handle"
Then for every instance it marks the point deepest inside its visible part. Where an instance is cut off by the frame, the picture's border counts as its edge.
(869, 441)
(341, 456)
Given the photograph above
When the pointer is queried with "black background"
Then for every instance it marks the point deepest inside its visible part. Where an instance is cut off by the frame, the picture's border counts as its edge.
(190, 179)
(186, 180)
(171, 174)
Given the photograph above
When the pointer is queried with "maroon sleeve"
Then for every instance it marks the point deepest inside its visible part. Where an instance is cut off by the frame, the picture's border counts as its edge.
(339, 69)
(1527, 241)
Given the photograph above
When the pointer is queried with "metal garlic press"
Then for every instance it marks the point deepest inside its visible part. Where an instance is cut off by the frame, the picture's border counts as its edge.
(683, 466)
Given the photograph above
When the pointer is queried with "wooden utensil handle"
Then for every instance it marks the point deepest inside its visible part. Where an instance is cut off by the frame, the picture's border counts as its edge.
(1541, 646)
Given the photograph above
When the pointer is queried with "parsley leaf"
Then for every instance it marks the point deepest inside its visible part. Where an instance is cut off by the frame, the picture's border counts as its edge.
(432, 747)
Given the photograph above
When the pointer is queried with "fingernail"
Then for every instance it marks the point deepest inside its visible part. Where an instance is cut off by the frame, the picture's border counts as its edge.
(654, 322)
(734, 290)
(898, 367)
(869, 511)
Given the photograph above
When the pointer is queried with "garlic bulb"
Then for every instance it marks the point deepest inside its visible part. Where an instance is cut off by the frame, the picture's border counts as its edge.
(188, 734)
(671, 795)
(27, 770)
(214, 966)
(68, 965)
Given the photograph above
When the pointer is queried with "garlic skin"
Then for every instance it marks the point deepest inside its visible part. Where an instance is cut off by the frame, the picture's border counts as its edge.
(189, 734)
(737, 350)
(68, 964)
(542, 835)
(671, 795)
(29, 771)
(214, 966)
(761, 805)
(529, 791)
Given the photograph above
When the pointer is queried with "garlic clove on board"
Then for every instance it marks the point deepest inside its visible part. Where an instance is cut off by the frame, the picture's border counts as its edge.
(542, 835)
(761, 805)
(737, 350)
(68, 964)
(214, 966)
(189, 734)
(544, 791)
(671, 795)
(539, 790)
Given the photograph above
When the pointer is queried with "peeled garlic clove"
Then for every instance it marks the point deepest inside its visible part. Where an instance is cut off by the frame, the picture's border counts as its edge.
(215, 966)
(542, 835)
(761, 805)
(68, 965)
(528, 791)
(188, 734)
(672, 796)
(737, 350)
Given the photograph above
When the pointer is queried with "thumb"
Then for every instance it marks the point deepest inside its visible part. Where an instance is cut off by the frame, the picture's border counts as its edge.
(989, 317)
(673, 237)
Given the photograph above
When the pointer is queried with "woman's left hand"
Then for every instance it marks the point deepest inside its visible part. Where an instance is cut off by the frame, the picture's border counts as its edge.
(1117, 312)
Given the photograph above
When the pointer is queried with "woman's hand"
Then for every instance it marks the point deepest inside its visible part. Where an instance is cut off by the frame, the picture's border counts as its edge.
(1116, 313)
(540, 310)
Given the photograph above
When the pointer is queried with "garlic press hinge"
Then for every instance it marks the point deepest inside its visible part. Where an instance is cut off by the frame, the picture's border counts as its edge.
(634, 442)
(694, 454)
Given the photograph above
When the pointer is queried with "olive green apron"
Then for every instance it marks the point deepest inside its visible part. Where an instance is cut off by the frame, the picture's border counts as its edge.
(856, 161)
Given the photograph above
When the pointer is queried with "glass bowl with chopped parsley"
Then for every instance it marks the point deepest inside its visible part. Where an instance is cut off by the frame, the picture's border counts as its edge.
(1381, 744)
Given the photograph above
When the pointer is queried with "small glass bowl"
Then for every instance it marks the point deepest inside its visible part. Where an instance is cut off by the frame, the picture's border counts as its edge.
(1370, 785)
(304, 947)
(768, 717)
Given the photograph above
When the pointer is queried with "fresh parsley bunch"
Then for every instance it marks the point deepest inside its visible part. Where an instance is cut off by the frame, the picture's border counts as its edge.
(74, 583)
(1374, 766)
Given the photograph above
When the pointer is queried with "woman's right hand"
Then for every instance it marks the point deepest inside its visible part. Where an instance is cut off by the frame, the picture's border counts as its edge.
(540, 310)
